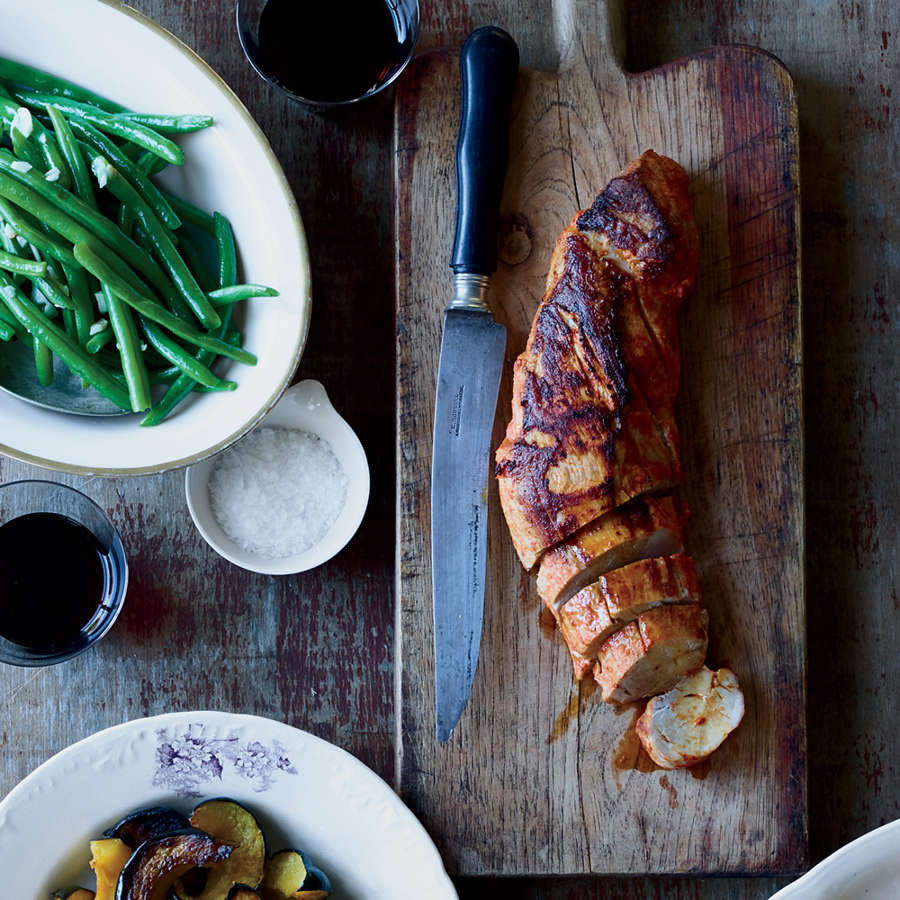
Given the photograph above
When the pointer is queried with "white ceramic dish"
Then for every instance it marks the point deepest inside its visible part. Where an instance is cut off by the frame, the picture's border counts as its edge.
(305, 792)
(868, 867)
(231, 168)
(306, 407)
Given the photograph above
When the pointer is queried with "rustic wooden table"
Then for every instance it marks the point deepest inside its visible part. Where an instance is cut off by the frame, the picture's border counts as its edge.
(199, 633)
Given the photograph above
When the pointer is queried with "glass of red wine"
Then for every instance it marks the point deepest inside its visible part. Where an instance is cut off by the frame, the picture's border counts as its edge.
(63, 573)
(328, 54)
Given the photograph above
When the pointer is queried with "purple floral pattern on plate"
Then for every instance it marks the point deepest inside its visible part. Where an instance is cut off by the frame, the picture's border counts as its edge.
(188, 763)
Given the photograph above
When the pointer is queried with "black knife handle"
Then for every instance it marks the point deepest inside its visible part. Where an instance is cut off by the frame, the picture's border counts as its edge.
(489, 62)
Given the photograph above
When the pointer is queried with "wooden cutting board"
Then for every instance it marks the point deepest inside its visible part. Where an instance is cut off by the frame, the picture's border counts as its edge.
(540, 776)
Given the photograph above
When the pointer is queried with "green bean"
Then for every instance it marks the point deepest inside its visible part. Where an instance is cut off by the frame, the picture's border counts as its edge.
(110, 359)
(223, 385)
(100, 226)
(125, 220)
(132, 151)
(193, 255)
(100, 143)
(6, 241)
(14, 263)
(184, 384)
(53, 290)
(61, 344)
(188, 212)
(180, 274)
(150, 164)
(138, 134)
(174, 301)
(43, 362)
(226, 251)
(183, 124)
(142, 239)
(129, 345)
(68, 147)
(37, 79)
(177, 355)
(52, 284)
(7, 317)
(27, 228)
(164, 376)
(10, 321)
(25, 150)
(81, 302)
(156, 312)
(98, 341)
(223, 296)
(68, 317)
(167, 374)
(49, 148)
(80, 211)
(7, 332)
(65, 213)
(53, 218)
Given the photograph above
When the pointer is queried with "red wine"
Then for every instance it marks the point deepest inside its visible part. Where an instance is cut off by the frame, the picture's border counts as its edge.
(332, 50)
(52, 580)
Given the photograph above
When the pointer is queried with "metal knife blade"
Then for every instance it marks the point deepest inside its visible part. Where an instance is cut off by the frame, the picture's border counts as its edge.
(472, 351)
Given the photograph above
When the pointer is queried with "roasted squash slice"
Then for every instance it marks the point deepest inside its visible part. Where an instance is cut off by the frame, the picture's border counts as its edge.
(288, 875)
(285, 874)
(75, 893)
(145, 824)
(231, 824)
(157, 864)
(108, 858)
(243, 892)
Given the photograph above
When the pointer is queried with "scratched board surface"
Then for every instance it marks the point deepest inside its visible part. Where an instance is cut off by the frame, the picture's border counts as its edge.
(540, 777)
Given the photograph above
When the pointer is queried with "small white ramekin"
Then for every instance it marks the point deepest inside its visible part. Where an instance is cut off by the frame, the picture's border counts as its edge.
(305, 406)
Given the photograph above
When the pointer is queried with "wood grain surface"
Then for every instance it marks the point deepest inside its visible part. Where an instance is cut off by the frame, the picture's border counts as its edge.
(846, 68)
(532, 747)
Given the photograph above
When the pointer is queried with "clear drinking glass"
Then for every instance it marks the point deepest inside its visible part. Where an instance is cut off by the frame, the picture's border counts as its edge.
(406, 18)
(21, 498)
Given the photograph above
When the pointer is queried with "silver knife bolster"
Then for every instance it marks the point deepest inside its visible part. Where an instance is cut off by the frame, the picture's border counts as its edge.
(471, 292)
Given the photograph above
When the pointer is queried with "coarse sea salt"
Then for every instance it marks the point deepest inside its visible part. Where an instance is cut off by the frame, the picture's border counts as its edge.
(277, 492)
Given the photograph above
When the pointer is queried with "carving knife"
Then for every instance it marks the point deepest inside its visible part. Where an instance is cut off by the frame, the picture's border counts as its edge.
(472, 352)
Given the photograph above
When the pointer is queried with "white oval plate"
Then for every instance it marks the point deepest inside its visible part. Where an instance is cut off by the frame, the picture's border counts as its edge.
(867, 867)
(306, 793)
(231, 168)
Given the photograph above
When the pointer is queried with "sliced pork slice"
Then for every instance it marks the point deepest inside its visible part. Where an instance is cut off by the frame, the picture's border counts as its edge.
(641, 529)
(690, 721)
(581, 664)
(595, 613)
(653, 653)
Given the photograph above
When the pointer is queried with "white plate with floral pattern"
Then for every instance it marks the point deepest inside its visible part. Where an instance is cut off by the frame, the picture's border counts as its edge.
(306, 794)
